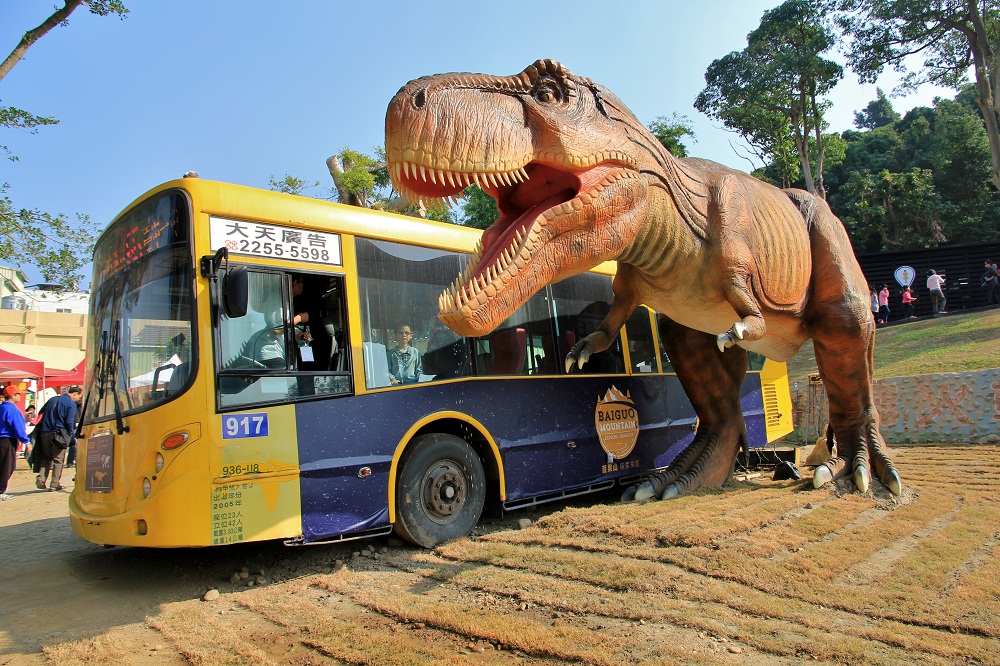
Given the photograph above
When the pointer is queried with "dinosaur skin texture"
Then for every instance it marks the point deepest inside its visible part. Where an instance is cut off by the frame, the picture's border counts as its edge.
(730, 263)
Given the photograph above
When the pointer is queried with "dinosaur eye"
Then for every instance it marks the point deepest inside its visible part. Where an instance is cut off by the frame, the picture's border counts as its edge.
(547, 92)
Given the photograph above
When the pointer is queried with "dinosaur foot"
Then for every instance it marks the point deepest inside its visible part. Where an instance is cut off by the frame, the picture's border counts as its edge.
(868, 454)
(731, 337)
(704, 463)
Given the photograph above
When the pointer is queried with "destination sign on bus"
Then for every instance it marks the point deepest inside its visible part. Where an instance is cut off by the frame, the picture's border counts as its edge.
(273, 241)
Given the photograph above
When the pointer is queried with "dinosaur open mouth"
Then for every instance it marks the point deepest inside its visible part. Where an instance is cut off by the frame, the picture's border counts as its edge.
(523, 195)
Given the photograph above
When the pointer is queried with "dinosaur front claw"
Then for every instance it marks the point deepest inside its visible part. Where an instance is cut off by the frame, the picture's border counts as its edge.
(731, 337)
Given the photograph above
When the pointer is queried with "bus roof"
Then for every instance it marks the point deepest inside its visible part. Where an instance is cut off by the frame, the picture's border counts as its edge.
(254, 204)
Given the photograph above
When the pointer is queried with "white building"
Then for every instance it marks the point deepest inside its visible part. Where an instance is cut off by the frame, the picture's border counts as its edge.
(39, 297)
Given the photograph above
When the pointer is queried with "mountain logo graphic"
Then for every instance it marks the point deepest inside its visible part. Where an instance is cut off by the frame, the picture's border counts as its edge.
(617, 423)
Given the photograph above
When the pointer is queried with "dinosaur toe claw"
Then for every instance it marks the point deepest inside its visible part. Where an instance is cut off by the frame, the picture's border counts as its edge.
(739, 328)
(862, 478)
(629, 494)
(822, 476)
(724, 340)
(671, 491)
(893, 483)
(644, 492)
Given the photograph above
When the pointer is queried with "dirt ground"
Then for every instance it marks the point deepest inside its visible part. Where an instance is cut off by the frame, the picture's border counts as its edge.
(762, 572)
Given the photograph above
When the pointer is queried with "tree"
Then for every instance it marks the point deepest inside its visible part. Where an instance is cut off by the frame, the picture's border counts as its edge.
(878, 113)
(671, 130)
(480, 209)
(952, 36)
(900, 210)
(58, 248)
(290, 184)
(773, 89)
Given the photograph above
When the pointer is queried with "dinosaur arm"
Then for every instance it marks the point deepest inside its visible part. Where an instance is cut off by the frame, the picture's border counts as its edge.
(625, 301)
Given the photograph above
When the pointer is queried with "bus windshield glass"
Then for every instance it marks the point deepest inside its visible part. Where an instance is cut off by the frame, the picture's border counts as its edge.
(140, 331)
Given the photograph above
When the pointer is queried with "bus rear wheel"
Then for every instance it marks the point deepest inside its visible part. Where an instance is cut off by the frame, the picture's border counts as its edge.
(440, 492)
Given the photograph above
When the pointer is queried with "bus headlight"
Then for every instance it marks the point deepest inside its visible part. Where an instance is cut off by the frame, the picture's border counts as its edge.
(147, 487)
(159, 462)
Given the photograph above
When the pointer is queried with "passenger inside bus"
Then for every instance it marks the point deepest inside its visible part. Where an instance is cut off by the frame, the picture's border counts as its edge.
(267, 347)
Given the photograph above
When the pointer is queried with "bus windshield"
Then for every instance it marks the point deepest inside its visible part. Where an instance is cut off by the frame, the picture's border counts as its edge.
(140, 334)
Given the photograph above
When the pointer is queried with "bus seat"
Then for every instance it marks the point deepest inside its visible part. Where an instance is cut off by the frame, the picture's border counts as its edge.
(376, 365)
(508, 351)
(553, 361)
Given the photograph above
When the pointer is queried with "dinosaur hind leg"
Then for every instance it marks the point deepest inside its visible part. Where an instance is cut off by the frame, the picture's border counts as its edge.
(712, 382)
(846, 373)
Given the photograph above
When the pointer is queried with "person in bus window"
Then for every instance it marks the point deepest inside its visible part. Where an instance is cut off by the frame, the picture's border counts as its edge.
(267, 347)
(405, 366)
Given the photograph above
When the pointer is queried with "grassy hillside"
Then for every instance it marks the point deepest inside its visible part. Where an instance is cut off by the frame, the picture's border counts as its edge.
(951, 343)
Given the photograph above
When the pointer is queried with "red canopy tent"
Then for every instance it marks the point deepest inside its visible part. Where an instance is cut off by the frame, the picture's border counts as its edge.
(67, 377)
(13, 366)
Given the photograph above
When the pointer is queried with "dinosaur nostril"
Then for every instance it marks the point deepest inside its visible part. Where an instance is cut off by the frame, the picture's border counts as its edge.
(419, 98)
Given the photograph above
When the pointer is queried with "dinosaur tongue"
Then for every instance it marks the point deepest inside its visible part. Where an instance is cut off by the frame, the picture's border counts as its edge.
(497, 237)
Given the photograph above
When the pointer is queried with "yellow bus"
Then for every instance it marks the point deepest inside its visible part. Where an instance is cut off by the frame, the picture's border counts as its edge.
(269, 366)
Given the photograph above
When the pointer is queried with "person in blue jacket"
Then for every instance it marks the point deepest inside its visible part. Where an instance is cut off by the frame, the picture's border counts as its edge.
(12, 432)
(55, 434)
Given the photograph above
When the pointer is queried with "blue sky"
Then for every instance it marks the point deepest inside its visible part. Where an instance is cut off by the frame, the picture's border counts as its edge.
(240, 91)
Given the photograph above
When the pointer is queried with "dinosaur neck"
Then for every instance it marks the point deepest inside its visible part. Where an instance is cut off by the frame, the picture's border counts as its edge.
(665, 240)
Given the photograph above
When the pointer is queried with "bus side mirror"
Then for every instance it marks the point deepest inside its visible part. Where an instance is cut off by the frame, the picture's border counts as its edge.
(236, 292)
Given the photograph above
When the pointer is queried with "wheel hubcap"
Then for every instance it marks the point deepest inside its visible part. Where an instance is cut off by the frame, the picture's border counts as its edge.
(444, 491)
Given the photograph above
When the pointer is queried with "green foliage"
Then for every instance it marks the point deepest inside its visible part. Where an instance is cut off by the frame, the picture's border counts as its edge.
(898, 209)
(480, 210)
(290, 184)
(59, 249)
(771, 92)
(919, 181)
(670, 131)
(878, 113)
(953, 38)
(21, 119)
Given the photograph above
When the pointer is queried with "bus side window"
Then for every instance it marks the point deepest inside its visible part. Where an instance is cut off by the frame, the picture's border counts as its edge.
(256, 341)
(398, 287)
(579, 314)
(641, 350)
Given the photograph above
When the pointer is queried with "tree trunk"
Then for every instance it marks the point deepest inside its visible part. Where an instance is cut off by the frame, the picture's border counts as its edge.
(802, 145)
(987, 73)
(34, 35)
(344, 195)
(820, 150)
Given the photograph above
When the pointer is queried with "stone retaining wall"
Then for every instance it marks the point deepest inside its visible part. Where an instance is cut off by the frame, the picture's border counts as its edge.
(958, 407)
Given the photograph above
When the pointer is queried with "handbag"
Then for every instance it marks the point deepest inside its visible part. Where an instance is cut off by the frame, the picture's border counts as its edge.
(61, 439)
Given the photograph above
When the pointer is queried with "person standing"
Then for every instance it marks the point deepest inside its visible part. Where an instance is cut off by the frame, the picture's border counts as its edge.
(991, 283)
(12, 433)
(908, 299)
(55, 433)
(883, 304)
(935, 285)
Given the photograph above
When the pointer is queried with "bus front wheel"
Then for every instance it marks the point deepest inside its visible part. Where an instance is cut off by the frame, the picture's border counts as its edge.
(440, 492)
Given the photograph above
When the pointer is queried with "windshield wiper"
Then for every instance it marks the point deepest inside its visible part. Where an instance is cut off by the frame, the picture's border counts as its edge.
(112, 362)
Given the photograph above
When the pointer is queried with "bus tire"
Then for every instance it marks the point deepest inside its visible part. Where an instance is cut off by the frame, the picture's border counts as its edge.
(440, 492)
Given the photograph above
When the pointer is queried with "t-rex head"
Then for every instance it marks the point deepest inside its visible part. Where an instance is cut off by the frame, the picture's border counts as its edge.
(562, 156)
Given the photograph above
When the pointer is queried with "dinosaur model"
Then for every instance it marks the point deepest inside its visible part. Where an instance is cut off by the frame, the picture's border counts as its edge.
(730, 263)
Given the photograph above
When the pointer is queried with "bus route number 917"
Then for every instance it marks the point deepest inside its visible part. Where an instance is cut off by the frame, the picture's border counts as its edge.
(238, 426)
